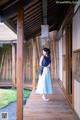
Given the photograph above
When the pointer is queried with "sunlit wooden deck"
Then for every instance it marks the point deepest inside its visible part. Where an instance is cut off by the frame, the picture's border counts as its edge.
(56, 109)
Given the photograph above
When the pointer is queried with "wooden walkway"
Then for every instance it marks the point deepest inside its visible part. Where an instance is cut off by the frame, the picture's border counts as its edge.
(56, 109)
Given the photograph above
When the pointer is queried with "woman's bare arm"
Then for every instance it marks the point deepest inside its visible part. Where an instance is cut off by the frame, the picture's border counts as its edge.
(41, 59)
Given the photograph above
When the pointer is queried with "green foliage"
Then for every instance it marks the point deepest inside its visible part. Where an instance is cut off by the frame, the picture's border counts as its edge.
(10, 95)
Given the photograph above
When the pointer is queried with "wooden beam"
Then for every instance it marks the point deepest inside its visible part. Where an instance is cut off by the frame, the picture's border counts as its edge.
(33, 18)
(37, 32)
(1, 17)
(34, 64)
(7, 65)
(30, 62)
(52, 48)
(19, 75)
(12, 10)
(38, 46)
(44, 6)
(3, 63)
(7, 41)
(8, 4)
(57, 60)
(11, 25)
(13, 64)
(31, 35)
(10, 65)
(32, 8)
(31, 14)
(52, 55)
(34, 23)
(4, 68)
(69, 62)
(28, 8)
(32, 29)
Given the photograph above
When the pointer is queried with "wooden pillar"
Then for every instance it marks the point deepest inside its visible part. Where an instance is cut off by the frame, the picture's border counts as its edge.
(13, 64)
(10, 65)
(57, 60)
(68, 62)
(7, 68)
(30, 62)
(52, 55)
(4, 68)
(31, 53)
(1, 68)
(53, 52)
(19, 75)
(24, 64)
(37, 57)
(34, 64)
(6, 65)
(38, 47)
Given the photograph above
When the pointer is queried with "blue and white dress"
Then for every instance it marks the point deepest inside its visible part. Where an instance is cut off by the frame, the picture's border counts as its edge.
(44, 83)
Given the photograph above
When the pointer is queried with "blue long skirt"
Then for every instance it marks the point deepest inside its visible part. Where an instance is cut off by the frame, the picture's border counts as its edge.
(45, 83)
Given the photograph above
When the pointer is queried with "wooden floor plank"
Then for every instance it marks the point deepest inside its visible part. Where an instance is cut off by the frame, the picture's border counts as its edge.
(56, 109)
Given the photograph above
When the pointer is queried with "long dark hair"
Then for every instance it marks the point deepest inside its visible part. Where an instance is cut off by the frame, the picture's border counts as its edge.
(47, 50)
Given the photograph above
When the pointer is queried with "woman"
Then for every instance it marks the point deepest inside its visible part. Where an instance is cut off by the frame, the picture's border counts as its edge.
(44, 86)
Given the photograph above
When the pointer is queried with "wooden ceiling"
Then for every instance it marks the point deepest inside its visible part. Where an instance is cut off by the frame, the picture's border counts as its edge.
(33, 15)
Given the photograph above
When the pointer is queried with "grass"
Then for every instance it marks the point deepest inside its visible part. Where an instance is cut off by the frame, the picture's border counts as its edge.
(10, 95)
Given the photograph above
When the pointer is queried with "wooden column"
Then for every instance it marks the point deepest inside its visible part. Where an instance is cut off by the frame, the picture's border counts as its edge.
(52, 55)
(4, 68)
(37, 58)
(13, 64)
(34, 64)
(52, 48)
(1, 68)
(69, 62)
(8, 64)
(30, 62)
(24, 64)
(38, 47)
(19, 75)
(57, 60)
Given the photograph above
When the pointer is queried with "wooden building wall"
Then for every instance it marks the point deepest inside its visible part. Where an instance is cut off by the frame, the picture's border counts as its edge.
(64, 59)
(60, 59)
(29, 60)
(69, 58)
(53, 48)
(76, 61)
(6, 63)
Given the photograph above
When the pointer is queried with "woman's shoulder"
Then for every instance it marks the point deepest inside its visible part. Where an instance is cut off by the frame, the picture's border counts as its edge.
(42, 56)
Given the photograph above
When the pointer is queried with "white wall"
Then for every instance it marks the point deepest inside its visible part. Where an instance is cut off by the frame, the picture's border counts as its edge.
(60, 59)
(77, 97)
(76, 45)
(76, 31)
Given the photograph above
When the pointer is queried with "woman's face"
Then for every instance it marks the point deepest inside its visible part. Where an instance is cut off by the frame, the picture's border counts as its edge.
(44, 53)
